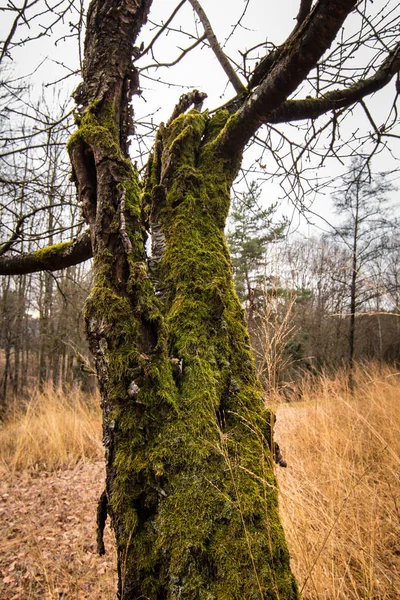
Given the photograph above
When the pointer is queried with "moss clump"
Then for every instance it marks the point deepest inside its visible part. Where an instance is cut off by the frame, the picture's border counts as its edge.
(206, 523)
(44, 254)
(191, 487)
(97, 131)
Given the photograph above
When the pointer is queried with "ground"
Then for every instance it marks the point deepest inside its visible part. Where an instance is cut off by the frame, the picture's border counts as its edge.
(339, 495)
(48, 536)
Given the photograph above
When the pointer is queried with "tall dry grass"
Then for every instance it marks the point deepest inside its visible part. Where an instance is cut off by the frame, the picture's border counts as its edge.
(52, 430)
(340, 495)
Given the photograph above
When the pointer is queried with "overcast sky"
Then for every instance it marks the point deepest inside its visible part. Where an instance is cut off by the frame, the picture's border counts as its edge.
(264, 21)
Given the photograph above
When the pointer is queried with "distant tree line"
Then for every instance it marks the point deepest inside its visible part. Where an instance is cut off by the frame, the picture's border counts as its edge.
(41, 323)
(41, 331)
(310, 303)
(326, 301)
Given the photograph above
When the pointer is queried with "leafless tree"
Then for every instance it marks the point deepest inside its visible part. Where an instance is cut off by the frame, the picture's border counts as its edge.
(366, 228)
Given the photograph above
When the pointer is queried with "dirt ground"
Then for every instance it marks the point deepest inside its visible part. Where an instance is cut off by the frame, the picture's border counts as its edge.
(48, 536)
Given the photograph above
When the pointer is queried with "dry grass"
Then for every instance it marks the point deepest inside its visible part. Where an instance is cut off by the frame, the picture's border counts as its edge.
(340, 496)
(52, 430)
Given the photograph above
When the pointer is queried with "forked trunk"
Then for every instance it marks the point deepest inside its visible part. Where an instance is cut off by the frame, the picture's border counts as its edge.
(190, 485)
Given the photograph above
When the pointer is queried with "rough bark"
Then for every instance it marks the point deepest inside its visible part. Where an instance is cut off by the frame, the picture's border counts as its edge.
(312, 108)
(190, 485)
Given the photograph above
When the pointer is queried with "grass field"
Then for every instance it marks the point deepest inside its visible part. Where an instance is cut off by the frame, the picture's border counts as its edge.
(52, 430)
(340, 494)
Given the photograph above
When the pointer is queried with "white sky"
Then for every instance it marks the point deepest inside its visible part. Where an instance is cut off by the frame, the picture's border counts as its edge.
(266, 20)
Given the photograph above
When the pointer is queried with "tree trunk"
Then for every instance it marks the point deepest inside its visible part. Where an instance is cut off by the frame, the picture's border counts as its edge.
(190, 484)
(352, 322)
(353, 287)
(45, 328)
(4, 381)
(18, 334)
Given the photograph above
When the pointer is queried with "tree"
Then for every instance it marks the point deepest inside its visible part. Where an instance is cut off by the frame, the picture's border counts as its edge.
(366, 228)
(251, 230)
(190, 485)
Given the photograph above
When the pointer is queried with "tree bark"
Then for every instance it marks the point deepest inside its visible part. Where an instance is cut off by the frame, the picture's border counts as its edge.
(190, 484)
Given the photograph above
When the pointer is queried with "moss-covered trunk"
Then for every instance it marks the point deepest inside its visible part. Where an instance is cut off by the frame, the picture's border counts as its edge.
(190, 487)
(190, 483)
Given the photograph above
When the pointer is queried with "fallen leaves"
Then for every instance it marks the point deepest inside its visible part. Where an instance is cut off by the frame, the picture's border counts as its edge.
(48, 536)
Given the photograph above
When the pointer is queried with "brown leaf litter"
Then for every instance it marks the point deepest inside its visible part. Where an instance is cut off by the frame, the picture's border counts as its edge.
(48, 536)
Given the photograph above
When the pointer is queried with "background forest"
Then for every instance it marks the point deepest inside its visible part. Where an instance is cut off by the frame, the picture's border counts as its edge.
(300, 293)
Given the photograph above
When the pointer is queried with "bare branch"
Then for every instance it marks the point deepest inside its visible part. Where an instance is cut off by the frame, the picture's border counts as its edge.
(163, 28)
(221, 56)
(266, 63)
(20, 15)
(297, 59)
(311, 108)
(184, 52)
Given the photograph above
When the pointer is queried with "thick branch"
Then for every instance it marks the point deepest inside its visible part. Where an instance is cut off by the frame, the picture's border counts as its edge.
(311, 108)
(298, 58)
(265, 64)
(304, 10)
(52, 258)
(222, 58)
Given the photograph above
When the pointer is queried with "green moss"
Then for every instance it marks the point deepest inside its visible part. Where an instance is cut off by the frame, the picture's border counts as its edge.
(98, 131)
(181, 139)
(212, 528)
(193, 495)
(133, 193)
(49, 251)
(137, 387)
(126, 334)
